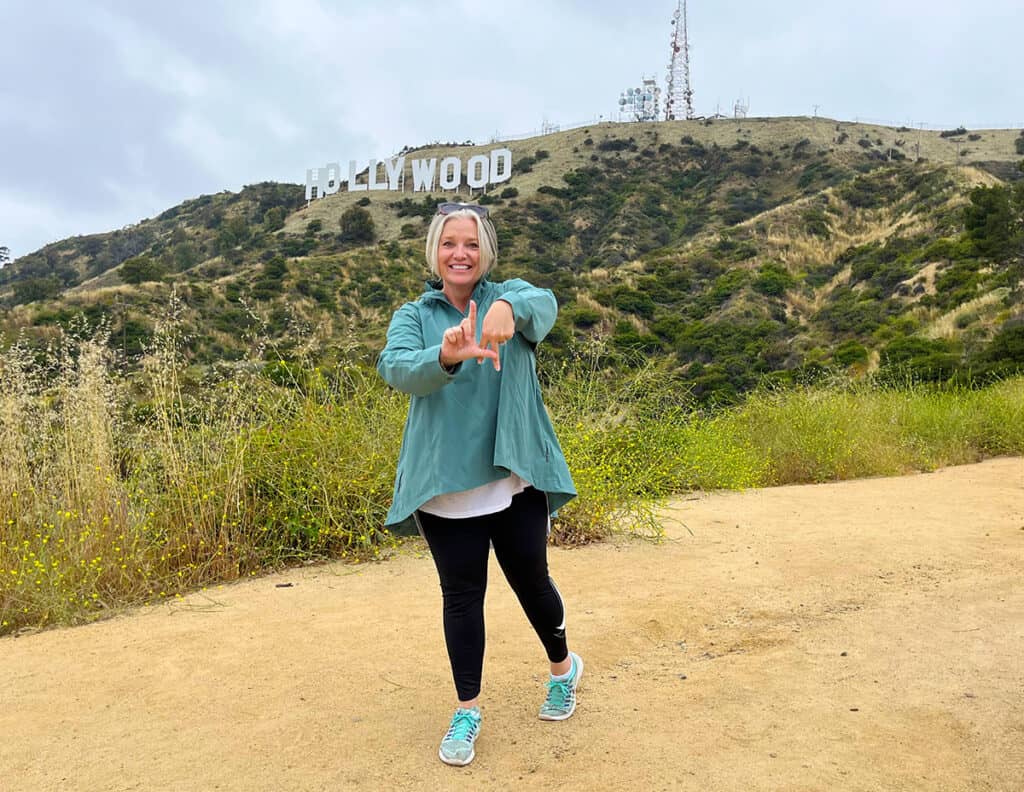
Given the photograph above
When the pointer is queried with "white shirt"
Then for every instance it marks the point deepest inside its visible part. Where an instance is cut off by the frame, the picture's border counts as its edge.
(486, 499)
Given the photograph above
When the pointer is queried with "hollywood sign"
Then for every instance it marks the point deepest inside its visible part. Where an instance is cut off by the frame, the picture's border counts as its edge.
(427, 174)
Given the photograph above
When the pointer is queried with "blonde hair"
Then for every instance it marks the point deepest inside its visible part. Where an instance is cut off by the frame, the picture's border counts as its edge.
(485, 234)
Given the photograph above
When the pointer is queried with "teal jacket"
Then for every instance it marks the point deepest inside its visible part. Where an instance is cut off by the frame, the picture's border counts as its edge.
(475, 425)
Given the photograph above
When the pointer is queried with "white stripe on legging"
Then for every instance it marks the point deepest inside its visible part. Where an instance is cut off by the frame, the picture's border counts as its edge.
(562, 601)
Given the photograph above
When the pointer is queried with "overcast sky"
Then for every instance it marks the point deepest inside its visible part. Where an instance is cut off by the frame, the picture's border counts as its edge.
(111, 112)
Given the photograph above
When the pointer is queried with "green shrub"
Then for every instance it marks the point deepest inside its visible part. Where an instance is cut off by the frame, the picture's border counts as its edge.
(584, 317)
(142, 269)
(273, 219)
(615, 144)
(356, 226)
(850, 352)
(918, 359)
(773, 279)
(293, 246)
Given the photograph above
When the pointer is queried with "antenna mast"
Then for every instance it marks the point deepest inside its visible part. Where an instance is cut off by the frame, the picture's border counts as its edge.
(679, 103)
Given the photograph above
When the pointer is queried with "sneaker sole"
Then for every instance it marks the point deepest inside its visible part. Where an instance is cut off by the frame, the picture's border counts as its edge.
(456, 762)
(566, 716)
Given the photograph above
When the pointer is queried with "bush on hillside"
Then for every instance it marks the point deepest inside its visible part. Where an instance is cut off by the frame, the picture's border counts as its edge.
(33, 289)
(773, 279)
(616, 144)
(850, 352)
(994, 221)
(142, 269)
(273, 219)
(356, 226)
(918, 359)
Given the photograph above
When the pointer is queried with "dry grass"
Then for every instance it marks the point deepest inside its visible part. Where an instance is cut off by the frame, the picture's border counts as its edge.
(945, 326)
(117, 491)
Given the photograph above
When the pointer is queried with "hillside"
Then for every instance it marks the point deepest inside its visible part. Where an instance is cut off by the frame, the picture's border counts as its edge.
(734, 251)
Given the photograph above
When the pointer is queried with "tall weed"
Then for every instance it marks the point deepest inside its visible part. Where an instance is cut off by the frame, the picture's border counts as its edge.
(117, 490)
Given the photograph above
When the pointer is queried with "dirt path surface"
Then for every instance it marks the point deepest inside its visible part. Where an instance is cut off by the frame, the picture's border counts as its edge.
(866, 635)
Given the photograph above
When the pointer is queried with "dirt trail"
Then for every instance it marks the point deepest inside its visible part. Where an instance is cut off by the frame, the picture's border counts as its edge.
(866, 635)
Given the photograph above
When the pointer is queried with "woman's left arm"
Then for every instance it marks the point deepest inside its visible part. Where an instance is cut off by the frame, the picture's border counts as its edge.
(533, 308)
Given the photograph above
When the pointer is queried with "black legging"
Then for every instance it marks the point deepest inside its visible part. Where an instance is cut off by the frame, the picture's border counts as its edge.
(460, 549)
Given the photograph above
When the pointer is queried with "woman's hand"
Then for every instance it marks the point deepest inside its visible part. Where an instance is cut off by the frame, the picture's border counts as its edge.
(459, 343)
(498, 327)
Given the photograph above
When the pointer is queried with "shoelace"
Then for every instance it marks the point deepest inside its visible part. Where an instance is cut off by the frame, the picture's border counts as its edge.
(463, 726)
(558, 692)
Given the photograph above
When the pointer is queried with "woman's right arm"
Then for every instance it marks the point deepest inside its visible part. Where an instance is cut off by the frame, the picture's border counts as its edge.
(407, 362)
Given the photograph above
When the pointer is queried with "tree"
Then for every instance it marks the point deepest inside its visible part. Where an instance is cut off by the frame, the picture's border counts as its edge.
(5, 255)
(141, 269)
(33, 289)
(994, 220)
(273, 219)
(356, 225)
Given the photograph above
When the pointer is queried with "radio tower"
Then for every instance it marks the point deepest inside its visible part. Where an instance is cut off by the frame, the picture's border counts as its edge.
(679, 103)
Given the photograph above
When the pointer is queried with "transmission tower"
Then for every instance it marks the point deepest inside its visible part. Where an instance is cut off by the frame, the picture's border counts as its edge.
(679, 103)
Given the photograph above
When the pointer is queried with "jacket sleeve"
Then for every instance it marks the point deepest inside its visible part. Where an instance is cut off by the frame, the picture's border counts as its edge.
(407, 363)
(535, 309)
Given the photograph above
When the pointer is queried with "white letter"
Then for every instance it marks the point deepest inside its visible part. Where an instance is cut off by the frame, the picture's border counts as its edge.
(450, 176)
(483, 164)
(312, 183)
(394, 170)
(330, 179)
(352, 186)
(423, 174)
(502, 156)
(372, 178)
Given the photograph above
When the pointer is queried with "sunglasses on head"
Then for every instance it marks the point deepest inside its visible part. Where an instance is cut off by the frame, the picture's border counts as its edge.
(450, 207)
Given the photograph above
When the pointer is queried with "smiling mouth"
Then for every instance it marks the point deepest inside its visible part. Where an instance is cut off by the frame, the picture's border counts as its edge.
(461, 267)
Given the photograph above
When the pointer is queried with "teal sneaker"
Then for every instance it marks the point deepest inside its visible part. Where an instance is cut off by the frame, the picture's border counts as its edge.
(457, 745)
(561, 701)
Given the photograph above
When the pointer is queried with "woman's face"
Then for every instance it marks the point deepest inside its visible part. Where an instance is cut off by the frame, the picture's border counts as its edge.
(458, 253)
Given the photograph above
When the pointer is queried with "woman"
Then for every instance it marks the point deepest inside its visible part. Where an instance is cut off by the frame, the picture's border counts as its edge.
(480, 464)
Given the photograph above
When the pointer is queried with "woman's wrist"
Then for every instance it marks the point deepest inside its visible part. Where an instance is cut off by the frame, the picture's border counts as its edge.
(449, 367)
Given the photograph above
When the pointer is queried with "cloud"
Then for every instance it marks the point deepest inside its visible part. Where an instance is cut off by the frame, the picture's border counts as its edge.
(40, 219)
(135, 103)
